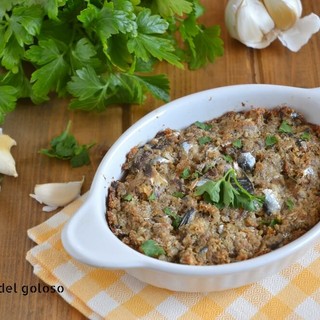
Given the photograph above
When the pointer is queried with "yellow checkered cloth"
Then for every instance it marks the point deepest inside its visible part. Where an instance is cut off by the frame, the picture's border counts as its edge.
(293, 293)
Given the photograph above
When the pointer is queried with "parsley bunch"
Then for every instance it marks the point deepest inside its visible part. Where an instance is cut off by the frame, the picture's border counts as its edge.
(228, 192)
(99, 52)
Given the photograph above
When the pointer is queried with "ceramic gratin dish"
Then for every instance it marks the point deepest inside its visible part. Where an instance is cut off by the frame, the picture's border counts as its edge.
(88, 238)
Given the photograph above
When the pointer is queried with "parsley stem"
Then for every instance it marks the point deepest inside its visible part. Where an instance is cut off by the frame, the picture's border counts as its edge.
(231, 174)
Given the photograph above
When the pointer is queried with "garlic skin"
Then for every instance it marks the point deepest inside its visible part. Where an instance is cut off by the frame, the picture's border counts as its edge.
(257, 23)
(7, 162)
(57, 194)
(299, 34)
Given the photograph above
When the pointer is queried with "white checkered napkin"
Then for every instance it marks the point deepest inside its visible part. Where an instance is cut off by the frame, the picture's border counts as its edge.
(293, 293)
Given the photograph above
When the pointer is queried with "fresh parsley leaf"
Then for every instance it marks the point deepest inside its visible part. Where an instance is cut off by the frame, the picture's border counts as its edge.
(212, 189)
(93, 92)
(24, 23)
(17, 30)
(189, 30)
(168, 8)
(208, 46)
(203, 44)
(53, 68)
(285, 127)
(50, 7)
(228, 192)
(151, 24)
(86, 83)
(83, 54)
(19, 81)
(271, 140)
(120, 57)
(7, 100)
(146, 44)
(80, 156)
(12, 55)
(107, 21)
(157, 85)
(66, 147)
(151, 248)
(5, 6)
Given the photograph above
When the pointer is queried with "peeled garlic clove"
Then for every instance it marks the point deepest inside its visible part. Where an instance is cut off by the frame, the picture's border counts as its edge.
(300, 33)
(7, 162)
(284, 13)
(55, 195)
(249, 22)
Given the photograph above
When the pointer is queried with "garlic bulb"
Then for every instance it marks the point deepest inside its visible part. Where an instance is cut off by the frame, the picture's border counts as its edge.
(7, 162)
(257, 23)
(55, 195)
(249, 22)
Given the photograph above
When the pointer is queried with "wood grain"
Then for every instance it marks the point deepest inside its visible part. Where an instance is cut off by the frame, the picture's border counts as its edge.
(34, 126)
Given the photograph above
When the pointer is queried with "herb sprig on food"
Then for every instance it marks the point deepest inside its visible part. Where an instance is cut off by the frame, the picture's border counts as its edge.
(228, 192)
(98, 52)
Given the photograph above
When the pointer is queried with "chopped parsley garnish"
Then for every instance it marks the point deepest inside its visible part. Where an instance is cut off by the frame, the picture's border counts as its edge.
(228, 158)
(272, 223)
(152, 197)
(289, 203)
(66, 147)
(306, 136)
(185, 173)
(196, 174)
(127, 197)
(203, 126)
(271, 141)
(178, 194)
(228, 192)
(151, 248)
(204, 140)
(237, 143)
(285, 127)
(176, 219)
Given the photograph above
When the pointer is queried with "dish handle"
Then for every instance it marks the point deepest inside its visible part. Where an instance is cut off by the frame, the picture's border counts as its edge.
(87, 238)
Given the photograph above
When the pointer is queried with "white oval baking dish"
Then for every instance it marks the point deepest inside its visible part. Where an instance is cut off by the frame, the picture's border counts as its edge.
(88, 239)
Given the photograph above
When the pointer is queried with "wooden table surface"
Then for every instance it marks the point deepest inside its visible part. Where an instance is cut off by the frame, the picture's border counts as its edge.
(34, 126)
